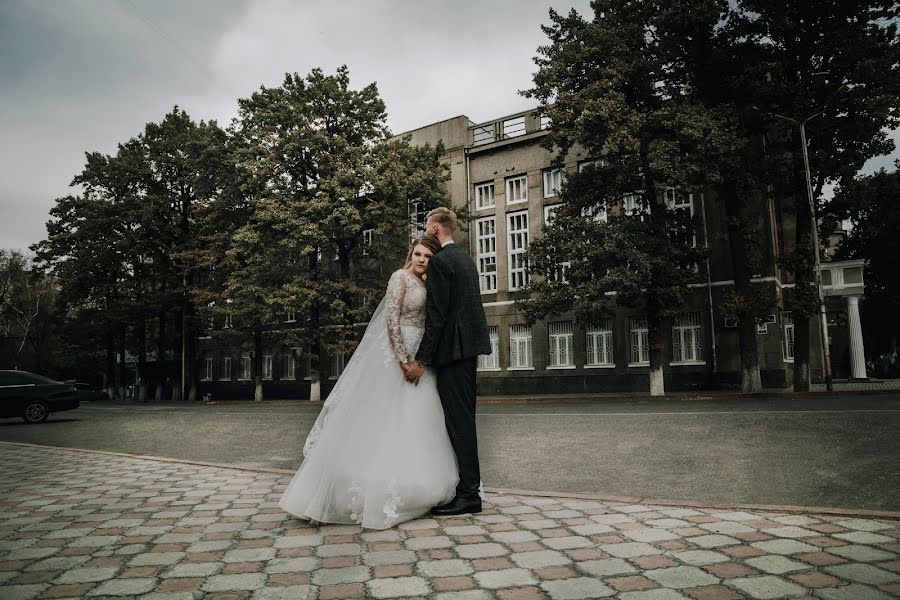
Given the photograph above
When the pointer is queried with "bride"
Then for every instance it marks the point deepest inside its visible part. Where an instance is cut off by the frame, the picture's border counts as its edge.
(379, 453)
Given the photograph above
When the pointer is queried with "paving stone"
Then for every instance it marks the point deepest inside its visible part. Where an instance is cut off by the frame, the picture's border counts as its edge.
(22, 592)
(465, 530)
(782, 546)
(327, 550)
(193, 570)
(568, 542)
(504, 578)
(766, 587)
(864, 524)
(606, 567)
(465, 595)
(356, 574)
(238, 582)
(681, 577)
(725, 527)
(799, 520)
(700, 557)
(592, 529)
(86, 575)
(124, 587)
(577, 589)
(444, 568)
(389, 557)
(249, 555)
(735, 516)
(863, 573)
(630, 549)
(210, 546)
(397, 587)
(486, 550)
(290, 592)
(292, 565)
(860, 553)
(660, 594)
(714, 541)
(776, 564)
(539, 559)
(854, 591)
(863, 537)
(429, 543)
(156, 558)
(57, 563)
(169, 596)
(298, 541)
(791, 532)
(513, 537)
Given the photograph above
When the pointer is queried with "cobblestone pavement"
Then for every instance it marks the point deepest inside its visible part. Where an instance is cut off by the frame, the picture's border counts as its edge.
(77, 524)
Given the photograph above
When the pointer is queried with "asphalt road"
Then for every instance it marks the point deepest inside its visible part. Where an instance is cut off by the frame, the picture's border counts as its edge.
(837, 452)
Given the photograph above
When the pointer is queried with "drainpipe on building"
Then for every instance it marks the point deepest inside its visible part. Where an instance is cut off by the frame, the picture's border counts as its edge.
(712, 317)
(469, 199)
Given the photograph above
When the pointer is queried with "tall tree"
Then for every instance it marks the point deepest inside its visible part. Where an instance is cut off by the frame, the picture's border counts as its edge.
(618, 87)
(834, 66)
(314, 168)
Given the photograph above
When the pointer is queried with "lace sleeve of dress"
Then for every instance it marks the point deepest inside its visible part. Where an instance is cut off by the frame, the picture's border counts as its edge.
(396, 292)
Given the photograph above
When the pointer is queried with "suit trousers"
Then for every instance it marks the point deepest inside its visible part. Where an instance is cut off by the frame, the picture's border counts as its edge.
(456, 386)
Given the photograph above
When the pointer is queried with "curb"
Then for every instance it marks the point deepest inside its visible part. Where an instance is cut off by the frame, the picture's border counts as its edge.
(786, 508)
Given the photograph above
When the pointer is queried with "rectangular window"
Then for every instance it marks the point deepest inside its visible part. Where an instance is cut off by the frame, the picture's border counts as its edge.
(787, 320)
(228, 324)
(491, 362)
(267, 366)
(338, 362)
(484, 195)
(598, 212)
(417, 219)
(517, 189)
(208, 370)
(368, 236)
(553, 182)
(226, 368)
(561, 273)
(640, 342)
(600, 344)
(245, 367)
(520, 356)
(289, 366)
(486, 243)
(687, 341)
(680, 200)
(545, 122)
(633, 204)
(562, 353)
(517, 231)
(291, 316)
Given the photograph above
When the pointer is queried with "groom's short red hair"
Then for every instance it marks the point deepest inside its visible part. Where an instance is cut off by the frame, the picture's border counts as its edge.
(444, 217)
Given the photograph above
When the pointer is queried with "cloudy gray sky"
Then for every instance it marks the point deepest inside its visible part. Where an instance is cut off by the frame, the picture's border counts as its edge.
(80, 75)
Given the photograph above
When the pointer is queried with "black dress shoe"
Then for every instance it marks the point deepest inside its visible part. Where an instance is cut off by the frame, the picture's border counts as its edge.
(458, 506)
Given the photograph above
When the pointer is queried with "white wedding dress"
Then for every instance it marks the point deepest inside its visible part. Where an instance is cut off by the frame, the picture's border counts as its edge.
(379, 453)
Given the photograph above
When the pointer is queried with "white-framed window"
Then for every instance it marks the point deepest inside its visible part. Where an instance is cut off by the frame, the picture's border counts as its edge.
(598, 212)
(245, 367)
(484, 195)
(787, 325)
(677, 199)
(520, 356)
(600, 344)
(267, 366)
(633, 204)
(368, 237)
(553, 182)
(338, 362)
(226, 368)
(417, 219)
(545, 122)
(640, 342)
(561, 337)
(486, 245)
(561, 273)
(208, 369)
(517, 189)
(517, 247)
(228, 323)
(687, 339)
(288, 365)
(491, 362)
(291, 316)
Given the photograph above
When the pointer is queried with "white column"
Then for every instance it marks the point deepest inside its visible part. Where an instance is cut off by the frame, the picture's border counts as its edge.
(857, 352)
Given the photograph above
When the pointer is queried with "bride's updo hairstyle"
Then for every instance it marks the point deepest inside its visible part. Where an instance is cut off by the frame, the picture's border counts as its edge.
(427, 240)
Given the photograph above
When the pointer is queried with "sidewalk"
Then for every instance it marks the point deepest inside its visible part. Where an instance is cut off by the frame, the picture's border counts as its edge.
(80, 524)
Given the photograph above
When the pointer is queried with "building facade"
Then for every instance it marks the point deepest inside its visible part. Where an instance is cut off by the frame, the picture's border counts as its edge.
(508, 181)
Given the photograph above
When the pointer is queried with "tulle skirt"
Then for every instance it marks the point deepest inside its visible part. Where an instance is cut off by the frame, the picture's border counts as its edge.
(382, 456)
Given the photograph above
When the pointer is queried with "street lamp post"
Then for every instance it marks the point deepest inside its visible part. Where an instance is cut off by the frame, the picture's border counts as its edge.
(823, 320)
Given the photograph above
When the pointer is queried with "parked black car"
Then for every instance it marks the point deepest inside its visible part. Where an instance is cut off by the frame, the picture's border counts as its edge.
(88, 393)
(33, 397)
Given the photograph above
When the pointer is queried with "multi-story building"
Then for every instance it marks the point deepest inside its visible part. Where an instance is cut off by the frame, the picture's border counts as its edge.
(509, 182)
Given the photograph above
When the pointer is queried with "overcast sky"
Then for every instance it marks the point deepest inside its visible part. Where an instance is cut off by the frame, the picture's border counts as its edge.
(81, 75)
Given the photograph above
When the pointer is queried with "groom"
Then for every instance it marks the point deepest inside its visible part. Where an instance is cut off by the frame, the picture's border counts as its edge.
(455, 334)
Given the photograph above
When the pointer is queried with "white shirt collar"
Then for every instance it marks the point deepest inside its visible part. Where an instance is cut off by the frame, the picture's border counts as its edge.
(447, 243)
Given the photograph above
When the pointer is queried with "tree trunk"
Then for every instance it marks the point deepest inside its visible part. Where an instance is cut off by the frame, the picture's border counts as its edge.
(734, 207)
(110, 375)
(803, 275)
(657, 217)
(257, 364)
(142, 358)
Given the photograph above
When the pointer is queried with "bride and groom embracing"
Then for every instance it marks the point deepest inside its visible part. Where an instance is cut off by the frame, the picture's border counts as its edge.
(396, 437)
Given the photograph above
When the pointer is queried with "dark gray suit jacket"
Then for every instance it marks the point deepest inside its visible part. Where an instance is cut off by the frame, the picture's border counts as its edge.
(455, 326)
